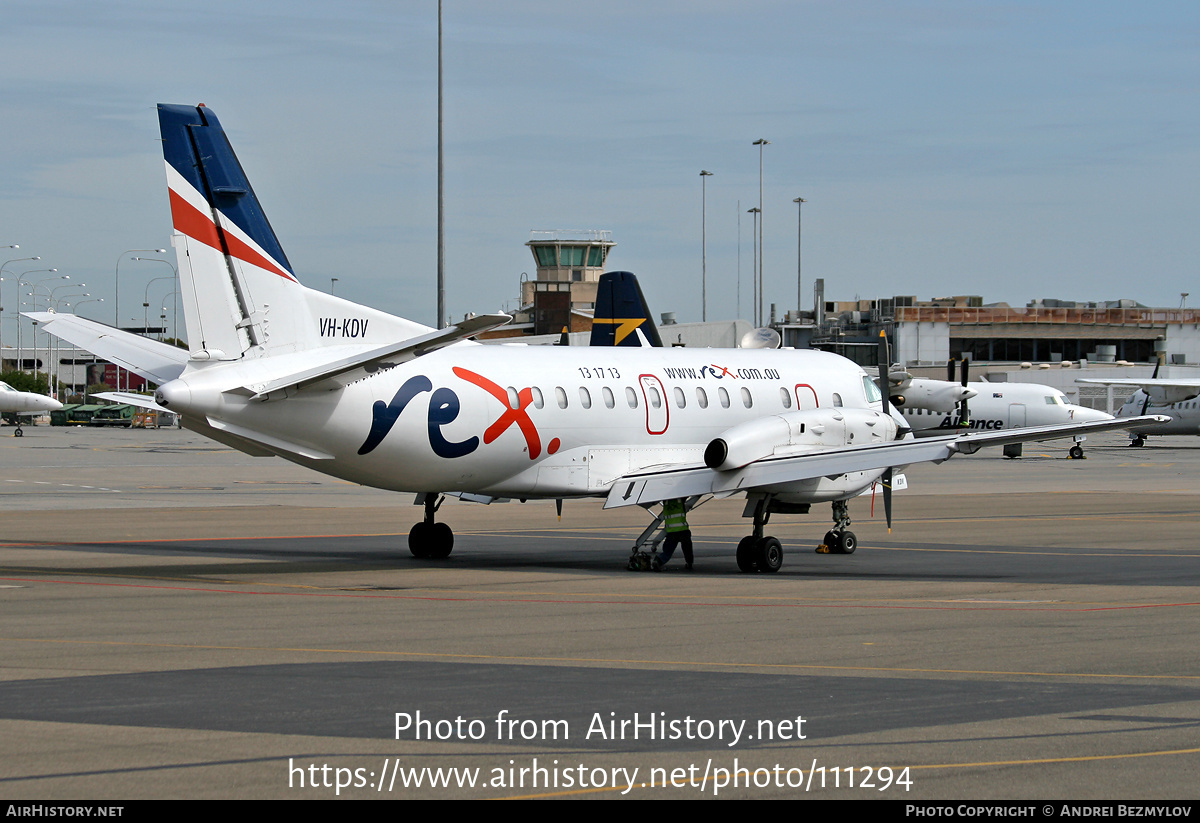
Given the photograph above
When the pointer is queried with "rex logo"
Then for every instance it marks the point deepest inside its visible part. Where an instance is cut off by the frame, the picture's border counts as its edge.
(444, 407)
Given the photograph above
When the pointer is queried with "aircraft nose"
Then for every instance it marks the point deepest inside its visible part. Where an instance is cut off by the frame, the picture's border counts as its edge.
(1086, 415)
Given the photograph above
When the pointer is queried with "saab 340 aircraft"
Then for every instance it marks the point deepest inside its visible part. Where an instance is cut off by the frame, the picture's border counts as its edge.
(275, 368)
(1176, 399)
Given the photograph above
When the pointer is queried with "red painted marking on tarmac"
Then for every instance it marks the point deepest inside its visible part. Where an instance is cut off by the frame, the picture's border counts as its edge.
(559, 601)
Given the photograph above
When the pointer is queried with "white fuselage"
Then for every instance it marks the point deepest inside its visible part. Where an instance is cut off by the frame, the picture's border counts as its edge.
(1005, 406)
(522, 421)
(21, 402)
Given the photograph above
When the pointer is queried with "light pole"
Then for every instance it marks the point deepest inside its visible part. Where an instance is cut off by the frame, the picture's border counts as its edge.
(146, 301)
(799, 201)
(54, 344)
(20, 346)
(441, 195)
(2, 268)
(754, 263)
(332, 283)
(760, 142)
(704, 244)
(175, 272)
(117, 284)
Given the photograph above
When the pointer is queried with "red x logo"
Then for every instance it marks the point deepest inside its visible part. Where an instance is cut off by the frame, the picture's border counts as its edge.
(518, 415)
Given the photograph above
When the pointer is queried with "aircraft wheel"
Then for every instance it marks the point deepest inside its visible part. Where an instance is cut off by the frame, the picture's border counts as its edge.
(746, 559)
(832, 543)
(770, 555)
(1076, 453)
(848, 543)
(420, 540)
(441, 541)
(1138, 441)
(18, 433)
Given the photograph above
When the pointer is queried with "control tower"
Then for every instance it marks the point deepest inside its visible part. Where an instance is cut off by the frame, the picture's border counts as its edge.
(568, 265)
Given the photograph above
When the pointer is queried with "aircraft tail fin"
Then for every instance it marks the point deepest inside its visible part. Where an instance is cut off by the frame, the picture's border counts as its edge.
(240, 295)
(621, 311)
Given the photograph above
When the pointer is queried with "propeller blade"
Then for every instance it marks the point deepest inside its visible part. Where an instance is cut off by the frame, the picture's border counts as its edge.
(1146, 402)
(887, 497)
(964, 412)
(885, 386)
(950, 370)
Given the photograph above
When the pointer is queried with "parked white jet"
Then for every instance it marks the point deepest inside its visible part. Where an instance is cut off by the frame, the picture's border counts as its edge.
(1172, 398)
(24, 403)
(275, 368)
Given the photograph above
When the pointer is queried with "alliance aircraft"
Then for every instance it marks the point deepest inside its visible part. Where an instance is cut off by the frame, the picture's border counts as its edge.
(275, 368)
(995, 406)
(24, 403)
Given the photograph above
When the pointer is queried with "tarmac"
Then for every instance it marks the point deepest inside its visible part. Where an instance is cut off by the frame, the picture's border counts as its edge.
(184, 621)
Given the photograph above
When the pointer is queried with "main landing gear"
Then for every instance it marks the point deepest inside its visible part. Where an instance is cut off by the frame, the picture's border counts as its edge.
(839, 539)
(756, 552)
(1138, 440)
(430, 540)
(17, 432)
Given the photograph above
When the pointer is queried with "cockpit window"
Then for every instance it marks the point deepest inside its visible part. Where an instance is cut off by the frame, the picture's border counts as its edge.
(873, 393)
(1055, 400)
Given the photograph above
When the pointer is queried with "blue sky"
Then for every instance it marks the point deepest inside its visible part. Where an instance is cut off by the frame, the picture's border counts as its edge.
(1014, 150)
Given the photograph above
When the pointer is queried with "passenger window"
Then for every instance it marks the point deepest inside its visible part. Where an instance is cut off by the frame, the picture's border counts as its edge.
(680, 398)
(837, 400)
(785, 397)
(514, 402)
(655, 397)
(747, 400)
(561, 395)
(585, 397)
(609, 400)
(631, 397)
(701, 397)
(724, 397)
(538, 402)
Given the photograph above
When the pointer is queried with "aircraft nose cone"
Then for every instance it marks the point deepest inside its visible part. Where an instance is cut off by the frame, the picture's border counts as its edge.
(1086, 415)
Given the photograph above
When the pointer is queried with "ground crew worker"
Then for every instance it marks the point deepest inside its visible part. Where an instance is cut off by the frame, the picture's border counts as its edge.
(675, 522)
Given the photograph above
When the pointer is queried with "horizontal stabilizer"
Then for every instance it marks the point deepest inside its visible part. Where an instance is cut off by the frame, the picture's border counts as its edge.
(342, 372)
(142, 401)
(155, 361)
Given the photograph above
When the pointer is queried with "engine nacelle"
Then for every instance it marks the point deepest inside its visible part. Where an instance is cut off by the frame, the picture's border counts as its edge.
(798, 432)
(934, 395)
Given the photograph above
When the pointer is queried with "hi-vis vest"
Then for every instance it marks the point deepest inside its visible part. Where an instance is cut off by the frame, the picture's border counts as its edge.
(675, 516)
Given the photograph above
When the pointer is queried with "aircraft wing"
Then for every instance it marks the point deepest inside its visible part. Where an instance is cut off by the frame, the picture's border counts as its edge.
(155, 361)
(644, 488)
(1143, 382)
(1161, 389)
(341, 372)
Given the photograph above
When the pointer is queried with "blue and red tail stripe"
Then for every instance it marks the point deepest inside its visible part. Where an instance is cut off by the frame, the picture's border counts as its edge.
(196, 148)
